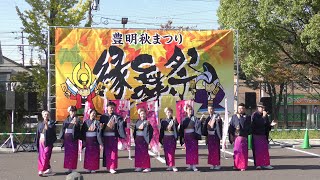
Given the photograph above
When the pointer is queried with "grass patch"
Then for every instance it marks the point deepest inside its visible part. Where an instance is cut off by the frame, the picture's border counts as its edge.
(294, 134)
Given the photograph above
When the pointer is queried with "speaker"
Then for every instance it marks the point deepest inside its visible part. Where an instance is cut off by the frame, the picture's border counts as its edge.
(267, 102)
(10, 100)
(250, 100)
(30, 101)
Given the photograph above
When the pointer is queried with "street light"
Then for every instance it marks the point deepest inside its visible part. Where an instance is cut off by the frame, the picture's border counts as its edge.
(124, 21)
(95, 4)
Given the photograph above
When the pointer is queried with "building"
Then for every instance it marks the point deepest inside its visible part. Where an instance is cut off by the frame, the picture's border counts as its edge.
(301, 107)
(8, 68)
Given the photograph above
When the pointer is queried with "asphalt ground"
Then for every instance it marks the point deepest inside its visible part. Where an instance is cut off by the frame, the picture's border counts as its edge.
(292, 163)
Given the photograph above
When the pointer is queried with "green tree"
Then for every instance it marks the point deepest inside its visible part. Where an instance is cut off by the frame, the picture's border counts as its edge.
(34, 81)
(31, 82)
(45, 13)
(279, 40)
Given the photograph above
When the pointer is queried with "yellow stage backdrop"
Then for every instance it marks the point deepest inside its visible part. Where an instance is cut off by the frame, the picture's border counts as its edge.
(93, 65)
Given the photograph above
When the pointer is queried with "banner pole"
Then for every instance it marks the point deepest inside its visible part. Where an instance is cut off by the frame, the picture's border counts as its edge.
(48, 69)
(237, 59)
(128, 125)
(129, 157)
(225, 128)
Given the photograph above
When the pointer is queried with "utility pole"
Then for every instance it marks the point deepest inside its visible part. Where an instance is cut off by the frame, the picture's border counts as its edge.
(31, 58)
(286, 105)
(22, 47)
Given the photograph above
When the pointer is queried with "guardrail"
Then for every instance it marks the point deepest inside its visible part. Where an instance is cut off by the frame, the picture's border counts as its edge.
(4, 134)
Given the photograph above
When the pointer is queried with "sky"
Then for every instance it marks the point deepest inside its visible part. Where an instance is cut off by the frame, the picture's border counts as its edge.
(143, 14)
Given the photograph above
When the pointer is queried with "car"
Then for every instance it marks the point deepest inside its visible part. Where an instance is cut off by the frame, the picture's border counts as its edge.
(30, 121)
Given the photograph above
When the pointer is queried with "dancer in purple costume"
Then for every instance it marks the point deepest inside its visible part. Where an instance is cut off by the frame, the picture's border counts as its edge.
(261, 127)
(212, 129)
(45, 137)
(112, 127)
(142, 135)
(168, 138)
(89, 133)
(190, 133)
(239, 129)
(71, 133)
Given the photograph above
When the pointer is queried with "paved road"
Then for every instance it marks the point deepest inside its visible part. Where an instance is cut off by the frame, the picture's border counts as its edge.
(291, 164)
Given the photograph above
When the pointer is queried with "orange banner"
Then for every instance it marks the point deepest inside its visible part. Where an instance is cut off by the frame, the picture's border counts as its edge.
(141, 65)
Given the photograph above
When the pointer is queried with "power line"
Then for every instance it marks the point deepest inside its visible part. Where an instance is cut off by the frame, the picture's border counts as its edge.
(17, 44)
(172, 15)
(9, 32)
(105, 20)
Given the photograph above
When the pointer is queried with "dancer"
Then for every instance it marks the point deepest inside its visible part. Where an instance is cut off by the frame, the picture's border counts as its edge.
(168, 138)
(70, 134)
(212, 129)
(112, 127)
(261, 127)
(89, 131)
(45, 137)
(239, 129)
(190, 133)
(142, 134)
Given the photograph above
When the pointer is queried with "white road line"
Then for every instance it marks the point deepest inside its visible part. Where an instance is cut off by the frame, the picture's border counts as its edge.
(157, 157)
(298, 150)
(250, 160)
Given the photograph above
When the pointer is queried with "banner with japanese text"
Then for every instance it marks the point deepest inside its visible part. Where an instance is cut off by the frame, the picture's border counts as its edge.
(142, 65)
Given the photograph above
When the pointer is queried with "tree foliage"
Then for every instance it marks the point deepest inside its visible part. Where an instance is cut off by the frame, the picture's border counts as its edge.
(31, 82)
(273, 31)
(44, 13)
(37, 19)
(278, 40)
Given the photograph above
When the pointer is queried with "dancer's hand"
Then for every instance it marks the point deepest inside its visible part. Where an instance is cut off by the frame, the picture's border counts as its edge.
(92, 127)
(202, 117)
(141, 126)
(126, 118)
(74, 120)
(45, 121)
(264, 113)
(170, 125)
(111, 123)
(238, 115)
(101, 125)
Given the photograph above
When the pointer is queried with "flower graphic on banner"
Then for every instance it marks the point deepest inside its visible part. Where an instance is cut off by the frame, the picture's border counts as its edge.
(181, 109)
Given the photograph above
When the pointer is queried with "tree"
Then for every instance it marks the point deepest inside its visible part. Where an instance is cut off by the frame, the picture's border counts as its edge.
(279, 40)
(44, 13)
